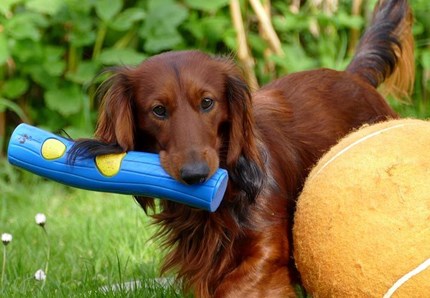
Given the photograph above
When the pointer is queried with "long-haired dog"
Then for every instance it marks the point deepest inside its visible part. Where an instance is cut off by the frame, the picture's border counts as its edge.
(198, 113)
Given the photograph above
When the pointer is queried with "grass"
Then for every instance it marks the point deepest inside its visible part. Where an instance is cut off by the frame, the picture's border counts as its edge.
(98, 242)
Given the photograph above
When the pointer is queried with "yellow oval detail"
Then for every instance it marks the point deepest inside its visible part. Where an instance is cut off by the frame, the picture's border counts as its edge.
(109, 164)
(53, 149)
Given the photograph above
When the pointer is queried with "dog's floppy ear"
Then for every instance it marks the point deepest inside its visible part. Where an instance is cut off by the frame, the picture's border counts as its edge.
(244, 161)
(115, 123)
(241, 136)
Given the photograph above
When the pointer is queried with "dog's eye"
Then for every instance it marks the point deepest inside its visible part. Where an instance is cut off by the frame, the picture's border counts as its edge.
(160, 111)
(206, 104)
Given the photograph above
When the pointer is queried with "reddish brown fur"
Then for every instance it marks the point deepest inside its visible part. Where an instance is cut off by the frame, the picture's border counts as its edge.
(267, 141)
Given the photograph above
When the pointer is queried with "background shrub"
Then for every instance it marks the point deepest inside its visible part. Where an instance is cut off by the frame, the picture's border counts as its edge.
(51, 50)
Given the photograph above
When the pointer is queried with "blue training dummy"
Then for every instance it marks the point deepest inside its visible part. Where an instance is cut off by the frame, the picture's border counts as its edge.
(133, 173)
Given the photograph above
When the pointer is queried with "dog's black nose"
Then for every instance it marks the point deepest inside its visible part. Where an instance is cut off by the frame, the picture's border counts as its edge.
(194, 173)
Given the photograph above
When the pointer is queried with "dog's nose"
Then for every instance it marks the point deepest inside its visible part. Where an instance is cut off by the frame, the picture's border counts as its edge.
(194, 173)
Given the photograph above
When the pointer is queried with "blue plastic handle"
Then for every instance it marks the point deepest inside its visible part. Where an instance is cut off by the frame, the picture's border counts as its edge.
(139, 173)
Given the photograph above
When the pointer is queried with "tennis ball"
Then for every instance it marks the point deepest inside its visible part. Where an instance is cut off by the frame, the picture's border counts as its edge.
(362, 223)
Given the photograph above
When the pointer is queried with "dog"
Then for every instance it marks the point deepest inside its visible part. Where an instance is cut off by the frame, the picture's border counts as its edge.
(197, 112)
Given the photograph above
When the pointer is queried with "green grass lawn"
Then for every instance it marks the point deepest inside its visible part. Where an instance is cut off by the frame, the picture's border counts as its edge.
(98, 242)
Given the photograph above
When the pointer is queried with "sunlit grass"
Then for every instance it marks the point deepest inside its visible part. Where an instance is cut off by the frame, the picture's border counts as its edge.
(98, 241)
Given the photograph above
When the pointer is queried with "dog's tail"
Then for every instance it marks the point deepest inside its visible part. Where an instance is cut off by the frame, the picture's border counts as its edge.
(385, 53)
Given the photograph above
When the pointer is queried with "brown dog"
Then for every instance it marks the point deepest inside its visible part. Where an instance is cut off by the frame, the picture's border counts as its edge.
(197, 112)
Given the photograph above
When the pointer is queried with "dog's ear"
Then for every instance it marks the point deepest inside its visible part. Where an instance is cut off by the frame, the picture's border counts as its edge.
(241, 135)
(115, 123)
(244, 161)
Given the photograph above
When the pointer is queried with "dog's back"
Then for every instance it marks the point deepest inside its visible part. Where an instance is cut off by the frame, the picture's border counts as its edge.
(316, 108)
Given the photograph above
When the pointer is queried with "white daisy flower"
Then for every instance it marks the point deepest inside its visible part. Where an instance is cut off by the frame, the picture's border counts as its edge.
(40, 219)
(40, 275)
(6, 238)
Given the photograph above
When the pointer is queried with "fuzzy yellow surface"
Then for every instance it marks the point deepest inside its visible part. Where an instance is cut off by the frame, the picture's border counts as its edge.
(363, 218)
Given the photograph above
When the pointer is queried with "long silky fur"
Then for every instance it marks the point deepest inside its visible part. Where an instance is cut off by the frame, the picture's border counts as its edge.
(385, 53)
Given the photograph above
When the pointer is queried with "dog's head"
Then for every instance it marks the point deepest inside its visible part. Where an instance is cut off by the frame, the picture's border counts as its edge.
(192, 109)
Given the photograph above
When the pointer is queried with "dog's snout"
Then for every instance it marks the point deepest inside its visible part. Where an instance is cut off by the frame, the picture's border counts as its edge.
(193, 173)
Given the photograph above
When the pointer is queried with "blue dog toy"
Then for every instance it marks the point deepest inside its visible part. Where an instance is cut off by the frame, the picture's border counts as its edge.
(132, 173)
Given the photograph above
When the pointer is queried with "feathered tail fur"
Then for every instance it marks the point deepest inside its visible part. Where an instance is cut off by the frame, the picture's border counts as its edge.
(385, 53)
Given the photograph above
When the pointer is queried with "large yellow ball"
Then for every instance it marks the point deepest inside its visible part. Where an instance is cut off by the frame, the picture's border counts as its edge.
(362, 224)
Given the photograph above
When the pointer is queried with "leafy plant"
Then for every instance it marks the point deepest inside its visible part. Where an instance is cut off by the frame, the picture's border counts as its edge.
(52, 50)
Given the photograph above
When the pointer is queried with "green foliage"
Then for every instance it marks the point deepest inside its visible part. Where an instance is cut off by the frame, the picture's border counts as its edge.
(160, 29)
(51, 50)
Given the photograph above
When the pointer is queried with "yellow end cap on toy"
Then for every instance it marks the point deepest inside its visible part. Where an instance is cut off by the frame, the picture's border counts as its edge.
(53, 149)
(109, 164)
